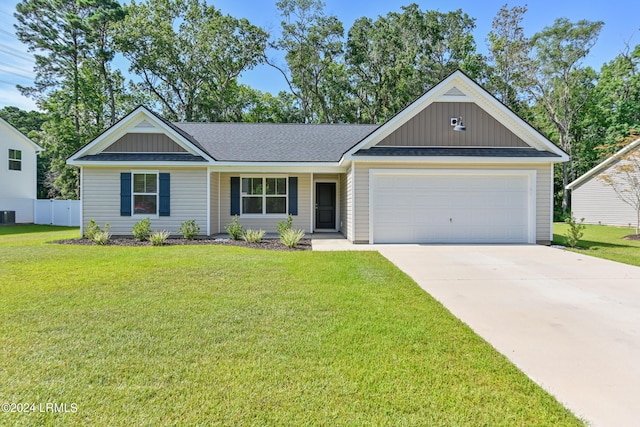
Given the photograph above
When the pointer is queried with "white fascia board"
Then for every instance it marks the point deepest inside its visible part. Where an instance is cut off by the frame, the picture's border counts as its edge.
(137, 164)
(454, 159)
(594, 171)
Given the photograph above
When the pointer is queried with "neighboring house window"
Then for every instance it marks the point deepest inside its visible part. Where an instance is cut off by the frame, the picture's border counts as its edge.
(145, 193)
(15, 160)
(264, 195)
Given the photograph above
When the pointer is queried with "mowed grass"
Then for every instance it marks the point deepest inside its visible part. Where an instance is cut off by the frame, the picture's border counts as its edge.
(211, 335)
(603, 242)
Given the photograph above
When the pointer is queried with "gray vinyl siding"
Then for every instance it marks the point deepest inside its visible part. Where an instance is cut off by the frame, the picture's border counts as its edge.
(101, 199)
(543, 195)
(597, 203)
(266, 222)
(214, 193)
(432, 128)
(144, 143)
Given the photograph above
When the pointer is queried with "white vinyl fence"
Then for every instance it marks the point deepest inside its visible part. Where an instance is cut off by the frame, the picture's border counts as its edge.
(58, 212)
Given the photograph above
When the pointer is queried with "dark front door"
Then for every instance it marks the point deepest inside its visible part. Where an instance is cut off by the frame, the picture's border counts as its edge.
(326, 205)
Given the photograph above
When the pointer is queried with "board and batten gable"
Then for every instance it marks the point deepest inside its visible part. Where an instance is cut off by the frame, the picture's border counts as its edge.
(101, 198)
(144, 143)
(543, 187)
(431, 127)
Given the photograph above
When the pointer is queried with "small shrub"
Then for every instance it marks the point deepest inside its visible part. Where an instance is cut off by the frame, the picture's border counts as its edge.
(284, 225)
(189, 229)
(290, 238)
(253, 236)
(235, 229)
(91, 229)
(142, 229)
(575, 231)
(158, 238)
(101, 237)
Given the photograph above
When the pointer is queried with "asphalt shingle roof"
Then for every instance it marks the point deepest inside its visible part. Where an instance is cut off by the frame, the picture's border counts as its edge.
(269, 142)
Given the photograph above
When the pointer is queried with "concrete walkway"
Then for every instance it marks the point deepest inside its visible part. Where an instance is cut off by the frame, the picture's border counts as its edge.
(569, 321)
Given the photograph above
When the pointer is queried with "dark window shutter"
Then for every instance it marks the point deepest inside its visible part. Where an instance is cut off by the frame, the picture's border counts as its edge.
(235, 195)
(293, 195)
(125, 194)
(165, 194)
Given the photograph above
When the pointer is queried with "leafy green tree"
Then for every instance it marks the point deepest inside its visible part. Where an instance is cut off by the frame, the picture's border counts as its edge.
(617, 110)
(508, 55)
(74, 83)
(189, 55)
(63, 35)
(313, 47)
(25, 121)
(394, 59)
(554, 75)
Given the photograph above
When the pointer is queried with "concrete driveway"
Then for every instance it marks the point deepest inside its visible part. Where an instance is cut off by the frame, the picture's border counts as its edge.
(569, 321)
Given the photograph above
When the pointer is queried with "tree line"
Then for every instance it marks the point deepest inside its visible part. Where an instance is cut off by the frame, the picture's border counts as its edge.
(185, 59)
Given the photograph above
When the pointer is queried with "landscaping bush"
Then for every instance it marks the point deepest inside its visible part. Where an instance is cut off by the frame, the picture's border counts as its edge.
(235, 229)
(101, 237)
(142, 230)
(290, 238)
(91, 229)
(189, 229)
(575, 231)
(157, 238)
(284, 225)
(253, 236)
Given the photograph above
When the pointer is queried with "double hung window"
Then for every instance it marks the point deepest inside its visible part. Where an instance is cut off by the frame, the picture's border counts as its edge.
(145, 193)
(264, 195)
(15, 160)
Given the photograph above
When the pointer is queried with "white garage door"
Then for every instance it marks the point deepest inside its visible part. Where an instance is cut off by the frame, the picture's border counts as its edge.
(452, 207)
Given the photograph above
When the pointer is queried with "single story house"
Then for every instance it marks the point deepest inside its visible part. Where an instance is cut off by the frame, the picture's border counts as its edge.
(593, 199)
(455, 166)
(18, 173)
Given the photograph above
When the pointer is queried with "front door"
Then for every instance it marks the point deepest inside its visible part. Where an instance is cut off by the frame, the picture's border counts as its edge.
(326, 205)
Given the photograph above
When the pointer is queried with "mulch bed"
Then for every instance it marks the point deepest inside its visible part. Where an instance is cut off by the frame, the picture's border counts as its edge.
(632, 237)
(269, 244)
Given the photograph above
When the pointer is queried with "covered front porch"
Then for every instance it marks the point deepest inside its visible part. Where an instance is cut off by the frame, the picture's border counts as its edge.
(262, 200)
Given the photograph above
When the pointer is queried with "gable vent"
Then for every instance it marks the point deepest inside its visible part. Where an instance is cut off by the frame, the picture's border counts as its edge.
(454, 91)
(145, 125)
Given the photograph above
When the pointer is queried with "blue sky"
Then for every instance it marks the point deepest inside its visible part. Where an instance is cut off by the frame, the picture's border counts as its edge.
(621, 26)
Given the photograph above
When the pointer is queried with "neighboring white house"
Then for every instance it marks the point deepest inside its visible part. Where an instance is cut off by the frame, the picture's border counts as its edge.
(18, 172)
(596, 201)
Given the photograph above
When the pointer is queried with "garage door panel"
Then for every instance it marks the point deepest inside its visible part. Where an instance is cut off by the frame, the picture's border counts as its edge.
(429, 208)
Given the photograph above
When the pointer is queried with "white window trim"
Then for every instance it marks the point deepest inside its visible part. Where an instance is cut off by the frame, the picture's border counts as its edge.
(14, 160)
(264, 197)
(134, 194)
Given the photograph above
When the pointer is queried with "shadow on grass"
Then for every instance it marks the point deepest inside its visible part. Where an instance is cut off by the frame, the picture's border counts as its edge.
(588, 244)
(6, 230)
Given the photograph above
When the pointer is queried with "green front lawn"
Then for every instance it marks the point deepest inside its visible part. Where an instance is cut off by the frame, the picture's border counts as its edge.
(212, 335)
(604, 242)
